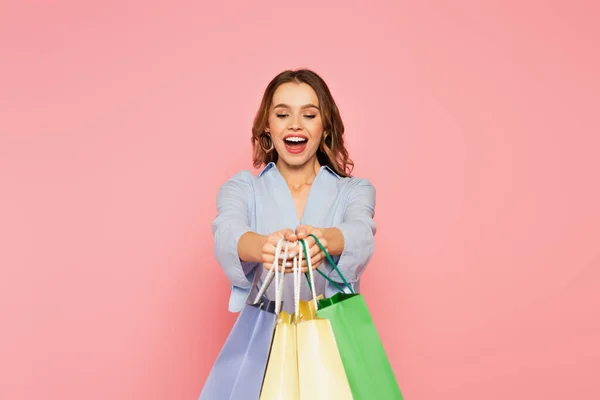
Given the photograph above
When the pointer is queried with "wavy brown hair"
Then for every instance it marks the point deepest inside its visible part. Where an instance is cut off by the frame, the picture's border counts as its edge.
(332, 151)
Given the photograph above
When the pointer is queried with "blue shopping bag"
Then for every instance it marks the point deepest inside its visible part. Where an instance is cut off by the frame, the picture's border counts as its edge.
(239, 369)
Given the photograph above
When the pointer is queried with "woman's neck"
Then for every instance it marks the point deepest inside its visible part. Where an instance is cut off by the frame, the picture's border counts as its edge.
(297, 176)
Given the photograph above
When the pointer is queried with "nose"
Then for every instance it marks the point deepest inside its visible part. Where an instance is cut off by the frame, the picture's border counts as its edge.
(295, 124)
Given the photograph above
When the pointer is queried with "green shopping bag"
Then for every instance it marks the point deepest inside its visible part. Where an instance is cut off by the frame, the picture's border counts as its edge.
(366, 364)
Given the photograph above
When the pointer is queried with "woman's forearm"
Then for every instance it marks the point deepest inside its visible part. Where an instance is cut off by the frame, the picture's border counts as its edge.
(250, 247)
(335, 240)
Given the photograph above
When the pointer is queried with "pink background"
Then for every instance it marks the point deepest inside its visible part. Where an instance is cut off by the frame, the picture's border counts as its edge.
(478, 124)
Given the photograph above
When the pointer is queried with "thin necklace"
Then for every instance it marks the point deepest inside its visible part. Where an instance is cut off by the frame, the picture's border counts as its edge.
(298, 187)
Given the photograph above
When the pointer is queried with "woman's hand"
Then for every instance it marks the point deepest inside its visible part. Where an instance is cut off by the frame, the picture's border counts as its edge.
(270, 246)
(316, 254)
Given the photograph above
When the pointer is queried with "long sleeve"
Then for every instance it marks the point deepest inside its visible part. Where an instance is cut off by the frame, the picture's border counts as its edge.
(233, 204)
(358, 229)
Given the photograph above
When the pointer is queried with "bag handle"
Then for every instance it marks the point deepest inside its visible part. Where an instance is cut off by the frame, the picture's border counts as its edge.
(297, 284)
(309, 274)
(270, 274)
(333, 264)
(280, 277)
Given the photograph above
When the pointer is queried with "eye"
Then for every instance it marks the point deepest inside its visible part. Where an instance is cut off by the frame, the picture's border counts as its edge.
(281, 115)
(310, 116)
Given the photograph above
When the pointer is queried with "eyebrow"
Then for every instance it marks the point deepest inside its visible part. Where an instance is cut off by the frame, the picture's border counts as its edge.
(281, 105)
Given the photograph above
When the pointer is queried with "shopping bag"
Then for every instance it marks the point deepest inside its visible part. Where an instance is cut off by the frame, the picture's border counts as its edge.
(281, 375)
(365, 361)
(321, 374)
(239, 369)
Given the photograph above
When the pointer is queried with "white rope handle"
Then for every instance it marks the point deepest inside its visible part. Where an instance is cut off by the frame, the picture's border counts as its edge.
(280, 277)
(270, 274)
(311, 276)
(297, 282)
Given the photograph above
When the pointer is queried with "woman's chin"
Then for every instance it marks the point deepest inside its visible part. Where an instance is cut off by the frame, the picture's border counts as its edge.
(295, 161)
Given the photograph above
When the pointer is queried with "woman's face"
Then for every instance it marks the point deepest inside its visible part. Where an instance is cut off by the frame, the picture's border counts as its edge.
(295, 123)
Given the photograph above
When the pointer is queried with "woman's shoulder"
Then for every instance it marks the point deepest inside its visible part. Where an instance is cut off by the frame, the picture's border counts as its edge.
(349, 182)
(242, 180)
(246, 177)
(356, 183)
(243, 176)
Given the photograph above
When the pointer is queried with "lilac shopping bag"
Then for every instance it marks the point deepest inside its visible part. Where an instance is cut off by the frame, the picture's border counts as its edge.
(239, 369)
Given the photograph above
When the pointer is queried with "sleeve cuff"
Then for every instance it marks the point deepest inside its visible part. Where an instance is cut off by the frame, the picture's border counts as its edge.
(358, 250)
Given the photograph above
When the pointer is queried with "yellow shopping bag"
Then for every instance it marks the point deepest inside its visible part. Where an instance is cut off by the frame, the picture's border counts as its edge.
(281, 375)
(304, 363)
(320, 370)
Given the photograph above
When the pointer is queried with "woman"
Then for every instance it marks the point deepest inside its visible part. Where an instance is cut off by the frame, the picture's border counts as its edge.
(304, 188)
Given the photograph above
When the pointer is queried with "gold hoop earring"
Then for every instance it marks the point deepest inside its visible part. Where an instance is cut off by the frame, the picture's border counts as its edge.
(266, 139)
(324, 138)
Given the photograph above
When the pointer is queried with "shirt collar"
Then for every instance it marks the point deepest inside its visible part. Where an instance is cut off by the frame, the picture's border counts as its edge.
(272, 165)
(266, 168)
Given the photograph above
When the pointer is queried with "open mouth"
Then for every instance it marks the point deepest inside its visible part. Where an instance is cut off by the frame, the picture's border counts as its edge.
(295, 144)
(295, 141)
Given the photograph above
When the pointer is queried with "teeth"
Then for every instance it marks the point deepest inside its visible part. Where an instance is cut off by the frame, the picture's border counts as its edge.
(295, 139)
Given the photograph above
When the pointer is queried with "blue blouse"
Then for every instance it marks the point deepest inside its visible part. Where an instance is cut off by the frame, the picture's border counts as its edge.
(264, 204)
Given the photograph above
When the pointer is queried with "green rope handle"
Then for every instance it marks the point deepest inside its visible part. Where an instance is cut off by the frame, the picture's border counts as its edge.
(333, 264)
(319, 271)
(306, 273)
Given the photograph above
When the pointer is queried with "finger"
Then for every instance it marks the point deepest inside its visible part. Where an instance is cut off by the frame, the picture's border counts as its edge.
(270, 267)
(314, 250)
(299, 248)
(270, 244)
(317, 232)
(291, 250)
(294, 248)
(316, 260)
(309, 242)
(283, 267)
(288, 234)
(286, 264)
(323, 242)
(314, 266)
(302, 231)
(280, 266)
(268, 258)
(273, 239)
(289, 270)
(317, 264)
